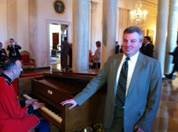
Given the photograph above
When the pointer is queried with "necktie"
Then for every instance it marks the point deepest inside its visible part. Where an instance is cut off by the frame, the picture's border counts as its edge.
(122, 83)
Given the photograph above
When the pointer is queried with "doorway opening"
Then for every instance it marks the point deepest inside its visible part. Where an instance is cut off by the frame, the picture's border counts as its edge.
(57, 33)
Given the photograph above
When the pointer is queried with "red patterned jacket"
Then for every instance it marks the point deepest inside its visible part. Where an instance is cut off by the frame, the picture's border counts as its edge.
(13, 118)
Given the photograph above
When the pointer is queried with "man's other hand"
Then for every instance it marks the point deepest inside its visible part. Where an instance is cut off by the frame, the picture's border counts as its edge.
(70, 102)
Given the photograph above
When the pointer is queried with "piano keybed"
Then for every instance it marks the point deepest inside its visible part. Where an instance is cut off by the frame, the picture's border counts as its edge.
(47, 111)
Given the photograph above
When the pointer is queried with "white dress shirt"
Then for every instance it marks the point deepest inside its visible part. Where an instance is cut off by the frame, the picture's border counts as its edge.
(131, 67)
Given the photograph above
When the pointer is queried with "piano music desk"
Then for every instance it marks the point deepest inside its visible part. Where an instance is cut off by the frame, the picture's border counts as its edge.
(23, 84)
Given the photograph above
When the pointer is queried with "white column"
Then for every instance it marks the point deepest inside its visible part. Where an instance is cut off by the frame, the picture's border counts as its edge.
(12, 19)
(32, 11)
(96, 23)
(80, 61)
(172, 34)
(22, 24)
(109, 27)
(161, 31)
(3, 20)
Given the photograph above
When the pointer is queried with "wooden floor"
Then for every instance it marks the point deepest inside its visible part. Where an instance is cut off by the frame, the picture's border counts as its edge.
(167, 120)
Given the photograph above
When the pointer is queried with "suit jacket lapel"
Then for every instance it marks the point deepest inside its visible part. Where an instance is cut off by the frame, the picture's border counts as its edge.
(139, 65)
(115, 67)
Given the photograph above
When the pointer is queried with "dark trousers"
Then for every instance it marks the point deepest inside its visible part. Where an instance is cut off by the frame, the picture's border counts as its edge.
(44, 126)
(170, 75)
(118, 121)
(96, 65)
(175, 68)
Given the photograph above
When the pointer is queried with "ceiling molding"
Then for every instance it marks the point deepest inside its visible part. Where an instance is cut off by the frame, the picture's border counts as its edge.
(151, 2)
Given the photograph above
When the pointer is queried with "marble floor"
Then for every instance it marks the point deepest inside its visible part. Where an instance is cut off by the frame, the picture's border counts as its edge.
(167, 119)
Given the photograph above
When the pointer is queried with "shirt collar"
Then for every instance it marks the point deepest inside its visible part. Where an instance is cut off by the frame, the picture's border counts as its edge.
(132, 58)
(8, 79)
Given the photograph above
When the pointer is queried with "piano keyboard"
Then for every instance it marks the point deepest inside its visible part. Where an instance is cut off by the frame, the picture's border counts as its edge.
(57, 118)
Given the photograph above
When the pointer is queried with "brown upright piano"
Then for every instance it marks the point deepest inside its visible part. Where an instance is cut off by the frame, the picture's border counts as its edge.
(56, 87)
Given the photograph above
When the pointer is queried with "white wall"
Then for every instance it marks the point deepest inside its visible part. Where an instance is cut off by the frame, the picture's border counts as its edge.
(96, 24)
(27, 22)
(11, 19)
(3, 21)
(126, 4)
(23, 24)
(46, 14)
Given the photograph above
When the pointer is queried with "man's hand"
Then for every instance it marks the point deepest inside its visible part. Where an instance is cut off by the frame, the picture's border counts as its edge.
(70, 102)
(37, 105)
(140, 130)
(29, 102)
(137, 129)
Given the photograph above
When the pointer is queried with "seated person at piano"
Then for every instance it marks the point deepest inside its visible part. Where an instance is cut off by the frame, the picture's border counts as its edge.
(14, 117)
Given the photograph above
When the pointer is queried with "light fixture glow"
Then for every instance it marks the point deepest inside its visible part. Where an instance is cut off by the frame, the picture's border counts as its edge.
(138, 14)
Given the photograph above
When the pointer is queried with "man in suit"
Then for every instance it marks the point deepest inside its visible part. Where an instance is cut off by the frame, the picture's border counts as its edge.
(175, 62)
(143, 87)
(147, 47)
(13, 49)
(3, 54)
(65, 47)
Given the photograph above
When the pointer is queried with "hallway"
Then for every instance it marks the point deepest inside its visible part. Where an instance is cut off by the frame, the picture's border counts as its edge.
(167, 120)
